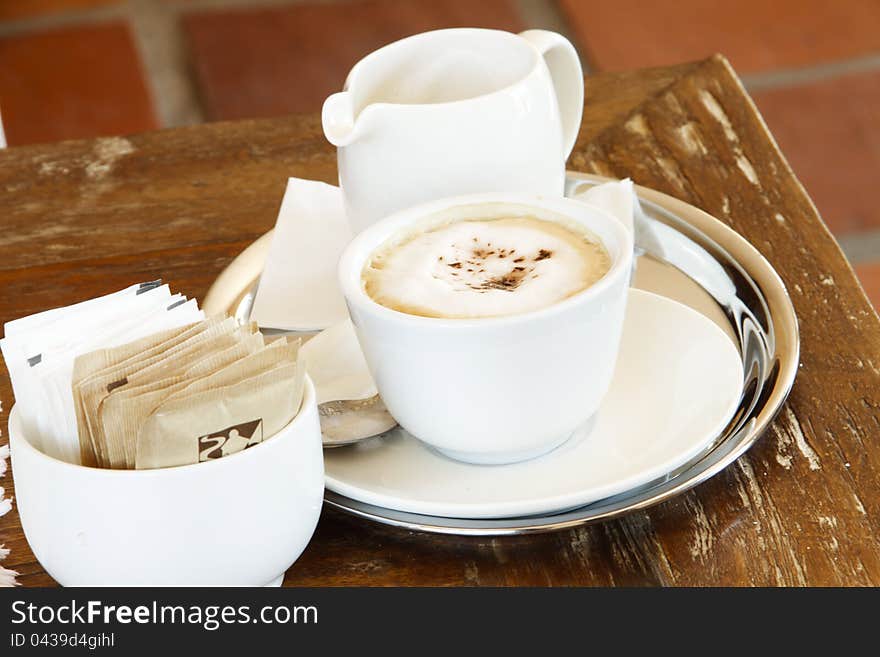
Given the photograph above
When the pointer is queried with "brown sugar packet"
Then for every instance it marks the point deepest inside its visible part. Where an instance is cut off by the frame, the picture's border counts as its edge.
(178, 361)
(275, 354)
(142, 367)
(91, 364)
(248, 345)
(87, 364)
(221, 421)
(159, 368)
(89, 391)
(121, 412)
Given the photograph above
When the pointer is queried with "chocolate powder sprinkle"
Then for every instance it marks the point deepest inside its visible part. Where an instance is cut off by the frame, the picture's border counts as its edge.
(479, 253)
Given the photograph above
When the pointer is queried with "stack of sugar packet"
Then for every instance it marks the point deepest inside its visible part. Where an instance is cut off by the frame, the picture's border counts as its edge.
(139, 379)
(185, 395)
(40, 350)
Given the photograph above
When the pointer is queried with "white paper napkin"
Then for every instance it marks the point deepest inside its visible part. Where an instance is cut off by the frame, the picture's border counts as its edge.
(298, 289)
(337, 366)
(617, 197)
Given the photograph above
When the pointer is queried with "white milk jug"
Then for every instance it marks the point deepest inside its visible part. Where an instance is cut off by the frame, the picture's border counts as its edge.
(453, 112)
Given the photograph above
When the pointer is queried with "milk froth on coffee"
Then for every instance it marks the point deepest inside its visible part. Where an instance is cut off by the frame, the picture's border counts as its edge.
(484, 267)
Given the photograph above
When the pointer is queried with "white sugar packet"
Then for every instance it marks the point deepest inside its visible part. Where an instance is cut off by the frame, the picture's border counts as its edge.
(28, 337)
(40, 350)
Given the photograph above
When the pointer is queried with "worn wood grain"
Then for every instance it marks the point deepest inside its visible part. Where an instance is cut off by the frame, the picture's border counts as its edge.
(807, 493)
(83, 218)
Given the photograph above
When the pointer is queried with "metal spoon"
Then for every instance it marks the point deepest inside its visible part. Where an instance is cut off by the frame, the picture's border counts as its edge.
(345, 422)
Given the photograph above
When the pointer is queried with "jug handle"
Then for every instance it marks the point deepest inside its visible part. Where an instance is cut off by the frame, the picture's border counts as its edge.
(568, 79)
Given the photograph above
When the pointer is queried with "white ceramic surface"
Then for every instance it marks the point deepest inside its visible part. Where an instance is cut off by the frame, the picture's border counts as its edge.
(452, 112)
(241, 520)
(453, 383)
(677, 382)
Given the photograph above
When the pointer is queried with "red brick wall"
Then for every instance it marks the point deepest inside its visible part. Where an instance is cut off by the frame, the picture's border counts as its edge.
(83, 68)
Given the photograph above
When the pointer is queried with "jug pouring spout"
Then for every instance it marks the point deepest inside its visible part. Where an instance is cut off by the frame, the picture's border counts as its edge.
(338, 119)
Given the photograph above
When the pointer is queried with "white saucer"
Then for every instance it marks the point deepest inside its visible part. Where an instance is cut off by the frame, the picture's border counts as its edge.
(678, 382)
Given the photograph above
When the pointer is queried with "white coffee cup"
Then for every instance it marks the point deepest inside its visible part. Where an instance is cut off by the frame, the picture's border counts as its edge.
(452, 112)
(501, 389)
(240, 520)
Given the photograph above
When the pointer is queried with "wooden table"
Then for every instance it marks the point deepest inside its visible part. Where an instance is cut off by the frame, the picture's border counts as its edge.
(802, 507)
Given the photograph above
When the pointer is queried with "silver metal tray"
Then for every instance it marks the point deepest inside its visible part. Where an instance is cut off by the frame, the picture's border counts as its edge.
(682, 253)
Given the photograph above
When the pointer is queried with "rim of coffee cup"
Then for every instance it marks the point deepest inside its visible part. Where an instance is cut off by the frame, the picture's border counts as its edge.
(512, 37)
(355, 255)
(23, 443)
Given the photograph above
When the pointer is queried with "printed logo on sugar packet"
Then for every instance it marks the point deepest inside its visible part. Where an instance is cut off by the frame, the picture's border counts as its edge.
(230, 440)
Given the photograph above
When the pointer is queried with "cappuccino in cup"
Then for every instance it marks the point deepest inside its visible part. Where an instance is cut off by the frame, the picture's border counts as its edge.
(481, 267)
(490, 322)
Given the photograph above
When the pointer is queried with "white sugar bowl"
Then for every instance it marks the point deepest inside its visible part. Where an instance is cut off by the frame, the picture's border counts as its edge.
(241, 520)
